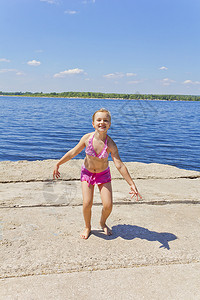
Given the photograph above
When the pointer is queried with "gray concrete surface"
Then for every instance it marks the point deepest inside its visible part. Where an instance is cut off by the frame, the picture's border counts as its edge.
(177, 281)
(154, 251)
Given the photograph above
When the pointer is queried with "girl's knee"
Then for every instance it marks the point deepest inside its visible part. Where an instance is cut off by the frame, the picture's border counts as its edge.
(87, 204)
(108, 206)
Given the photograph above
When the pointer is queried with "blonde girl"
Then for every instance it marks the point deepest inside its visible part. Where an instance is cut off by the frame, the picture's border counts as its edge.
(95, 169)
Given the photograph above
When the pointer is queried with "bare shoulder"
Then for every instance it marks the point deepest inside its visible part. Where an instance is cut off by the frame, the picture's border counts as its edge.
(111, 145)
(86, 137)
(114, 152)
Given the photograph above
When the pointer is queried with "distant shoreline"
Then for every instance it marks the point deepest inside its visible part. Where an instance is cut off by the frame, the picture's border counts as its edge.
(106, 96)
(50, 97)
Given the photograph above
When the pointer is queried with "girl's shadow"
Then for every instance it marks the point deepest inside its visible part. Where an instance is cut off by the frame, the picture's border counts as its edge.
(130, 232)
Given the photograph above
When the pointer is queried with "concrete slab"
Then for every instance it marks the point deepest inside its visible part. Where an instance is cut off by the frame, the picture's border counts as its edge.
(64, 193)
(46, 240)
(154, 251)
(42, 170)
(170, 282)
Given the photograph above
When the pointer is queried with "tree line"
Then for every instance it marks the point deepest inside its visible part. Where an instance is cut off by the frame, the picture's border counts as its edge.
(97, 95)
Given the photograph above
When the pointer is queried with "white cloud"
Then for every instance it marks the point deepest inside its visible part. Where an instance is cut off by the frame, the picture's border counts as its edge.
(71, 12)
(18, 73)
(114, 75)
(4, 60)
(130, 74)
(88, 1)
(34, 63)
(191, 82)
(69, 72)
(167, 81)
(50, 1)
(135, 81)
(118, 75)
(187, 81)
(7, 70)
(163, 68)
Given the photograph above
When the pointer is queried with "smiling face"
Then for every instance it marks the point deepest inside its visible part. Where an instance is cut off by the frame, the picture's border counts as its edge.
(101, 121)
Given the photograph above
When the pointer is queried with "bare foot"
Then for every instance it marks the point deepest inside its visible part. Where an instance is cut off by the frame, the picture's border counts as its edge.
(85, 233)
(106, 229)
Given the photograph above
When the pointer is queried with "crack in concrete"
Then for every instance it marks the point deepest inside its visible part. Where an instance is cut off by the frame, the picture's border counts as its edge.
(96, 268)
(77, 179)
(162, 202)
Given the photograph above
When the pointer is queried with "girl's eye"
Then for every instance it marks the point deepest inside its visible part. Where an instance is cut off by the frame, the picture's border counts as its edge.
(99, 120)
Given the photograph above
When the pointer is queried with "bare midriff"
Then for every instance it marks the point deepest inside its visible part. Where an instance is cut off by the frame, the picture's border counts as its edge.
(95, 164)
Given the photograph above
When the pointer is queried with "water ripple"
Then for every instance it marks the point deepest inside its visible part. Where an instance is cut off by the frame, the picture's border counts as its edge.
(147, 131)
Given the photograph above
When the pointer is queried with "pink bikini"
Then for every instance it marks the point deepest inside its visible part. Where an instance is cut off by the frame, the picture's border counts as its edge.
(91, 152)
(96, 178)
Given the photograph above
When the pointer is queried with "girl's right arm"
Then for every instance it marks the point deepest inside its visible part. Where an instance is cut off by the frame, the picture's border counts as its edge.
(70, 154)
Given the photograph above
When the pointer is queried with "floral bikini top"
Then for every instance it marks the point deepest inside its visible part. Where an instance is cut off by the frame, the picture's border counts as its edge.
(91, 152)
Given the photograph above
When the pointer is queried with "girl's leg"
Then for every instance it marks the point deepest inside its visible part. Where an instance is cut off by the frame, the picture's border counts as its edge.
(106, 198)
(87, 192)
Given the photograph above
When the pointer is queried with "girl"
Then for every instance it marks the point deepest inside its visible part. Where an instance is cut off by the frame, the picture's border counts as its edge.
(95, 169)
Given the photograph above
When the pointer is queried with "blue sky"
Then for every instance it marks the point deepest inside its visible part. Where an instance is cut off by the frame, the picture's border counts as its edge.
(120, 46)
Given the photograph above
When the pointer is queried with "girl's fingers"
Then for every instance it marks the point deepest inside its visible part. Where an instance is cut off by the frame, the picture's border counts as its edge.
(135, 194)
(56, 174)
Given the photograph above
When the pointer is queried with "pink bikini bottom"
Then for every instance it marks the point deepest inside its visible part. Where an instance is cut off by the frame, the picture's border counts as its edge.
(95, 178)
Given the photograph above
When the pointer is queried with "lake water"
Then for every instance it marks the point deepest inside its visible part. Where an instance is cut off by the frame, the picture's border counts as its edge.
(165, 132)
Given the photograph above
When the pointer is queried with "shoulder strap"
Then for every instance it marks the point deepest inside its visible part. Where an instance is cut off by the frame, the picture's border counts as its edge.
(106, 141)
(90, 140)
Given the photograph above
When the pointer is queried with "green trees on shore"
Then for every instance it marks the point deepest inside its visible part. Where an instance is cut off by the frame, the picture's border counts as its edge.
(97, 95)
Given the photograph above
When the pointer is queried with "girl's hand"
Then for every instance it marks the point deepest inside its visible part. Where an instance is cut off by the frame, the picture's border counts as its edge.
(56, 173)
(134, 192)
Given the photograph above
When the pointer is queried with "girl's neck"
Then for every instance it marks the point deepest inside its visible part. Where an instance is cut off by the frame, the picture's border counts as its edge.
(100, 135)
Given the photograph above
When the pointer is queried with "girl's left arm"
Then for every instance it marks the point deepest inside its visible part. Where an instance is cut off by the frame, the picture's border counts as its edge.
(123, 171)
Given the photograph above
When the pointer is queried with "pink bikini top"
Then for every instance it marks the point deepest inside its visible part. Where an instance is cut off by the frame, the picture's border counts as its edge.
(91, 152)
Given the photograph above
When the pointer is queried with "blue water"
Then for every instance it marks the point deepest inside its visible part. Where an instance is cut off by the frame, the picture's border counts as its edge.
(145, 131)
